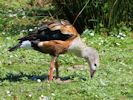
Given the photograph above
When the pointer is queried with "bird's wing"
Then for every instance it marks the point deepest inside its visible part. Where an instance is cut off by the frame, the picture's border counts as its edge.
(59, 30)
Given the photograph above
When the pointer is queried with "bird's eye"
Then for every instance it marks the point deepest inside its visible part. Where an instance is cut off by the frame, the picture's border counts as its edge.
(95, 65)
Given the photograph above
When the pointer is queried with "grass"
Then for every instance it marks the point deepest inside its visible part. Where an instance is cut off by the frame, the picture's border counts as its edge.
(20, 71)
(23, 74)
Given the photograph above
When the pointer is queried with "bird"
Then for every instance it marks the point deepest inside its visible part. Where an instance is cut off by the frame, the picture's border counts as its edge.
(56, 38)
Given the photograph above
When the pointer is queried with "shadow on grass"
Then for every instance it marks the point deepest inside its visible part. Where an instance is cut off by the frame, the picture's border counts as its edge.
(23, 77)
(72, 77)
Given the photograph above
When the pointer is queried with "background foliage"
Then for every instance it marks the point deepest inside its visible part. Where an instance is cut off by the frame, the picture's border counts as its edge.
(97, 13)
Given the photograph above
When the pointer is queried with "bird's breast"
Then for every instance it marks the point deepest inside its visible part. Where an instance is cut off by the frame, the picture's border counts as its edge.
(53, 47)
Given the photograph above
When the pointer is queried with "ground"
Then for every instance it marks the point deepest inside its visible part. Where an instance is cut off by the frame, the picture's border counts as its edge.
(24, 73)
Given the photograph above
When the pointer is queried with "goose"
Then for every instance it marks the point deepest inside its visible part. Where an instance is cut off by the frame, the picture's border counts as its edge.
(56, 38)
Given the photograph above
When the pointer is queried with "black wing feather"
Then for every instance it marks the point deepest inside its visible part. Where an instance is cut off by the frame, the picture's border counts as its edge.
(45, 34)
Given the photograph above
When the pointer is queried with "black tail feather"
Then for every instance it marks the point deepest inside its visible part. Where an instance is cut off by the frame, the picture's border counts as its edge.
(15, 47)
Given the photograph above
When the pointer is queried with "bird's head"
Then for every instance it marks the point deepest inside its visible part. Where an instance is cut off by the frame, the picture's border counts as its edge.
(92, 57)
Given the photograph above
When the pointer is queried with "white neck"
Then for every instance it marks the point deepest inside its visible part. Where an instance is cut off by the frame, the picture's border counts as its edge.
(77, 47)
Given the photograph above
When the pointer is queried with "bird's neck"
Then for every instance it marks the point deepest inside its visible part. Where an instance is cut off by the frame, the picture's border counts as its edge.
(78, 47)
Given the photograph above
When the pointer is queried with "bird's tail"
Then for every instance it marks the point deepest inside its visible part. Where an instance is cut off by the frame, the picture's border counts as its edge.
(15, 47)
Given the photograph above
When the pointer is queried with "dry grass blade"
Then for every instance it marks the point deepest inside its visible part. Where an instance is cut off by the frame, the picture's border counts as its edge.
(80, 12)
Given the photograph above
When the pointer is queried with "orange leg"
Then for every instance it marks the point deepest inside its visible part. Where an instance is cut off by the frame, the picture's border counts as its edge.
(51, 68)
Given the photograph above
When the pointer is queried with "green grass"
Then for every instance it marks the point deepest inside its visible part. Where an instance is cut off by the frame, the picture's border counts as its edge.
(21, 70)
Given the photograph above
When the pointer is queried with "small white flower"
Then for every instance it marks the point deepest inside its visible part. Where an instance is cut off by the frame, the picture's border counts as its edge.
(24, 31)
(30, 29)
(42, 95)
(10, 15)
(120, 33)
(3, 33)
(91, 42)
(15, 55)
(96, 96)
(118, 36)
(8, 38)
(11, 56)
(9, 95)
(118, 44)
(102, 41)
(52, 94)
(8, 92)
(92, 34)
(124, 35)
(38, 80)
(122, 38)
(85, 31)
(99, 44)
(35, 27)
(30, 95)
(14, 15)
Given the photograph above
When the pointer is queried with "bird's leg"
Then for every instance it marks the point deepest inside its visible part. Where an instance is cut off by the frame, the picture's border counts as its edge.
(57, 70)
(51, 68)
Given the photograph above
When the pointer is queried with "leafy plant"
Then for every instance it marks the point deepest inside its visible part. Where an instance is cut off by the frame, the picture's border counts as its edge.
(92, 13)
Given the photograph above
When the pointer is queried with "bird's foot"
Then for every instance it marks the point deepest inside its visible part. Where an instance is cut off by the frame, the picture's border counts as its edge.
(58, 80)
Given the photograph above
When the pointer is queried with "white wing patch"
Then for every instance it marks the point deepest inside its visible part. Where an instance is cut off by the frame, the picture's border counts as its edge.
(26, 44)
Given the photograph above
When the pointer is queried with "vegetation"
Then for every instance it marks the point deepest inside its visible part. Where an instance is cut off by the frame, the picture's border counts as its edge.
(96, 13)
(23, 74)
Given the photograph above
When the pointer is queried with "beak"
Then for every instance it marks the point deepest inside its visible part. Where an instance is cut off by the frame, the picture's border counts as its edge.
(92, 72)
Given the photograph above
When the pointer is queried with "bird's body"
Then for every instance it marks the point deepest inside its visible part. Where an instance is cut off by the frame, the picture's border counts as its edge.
(56, 38)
